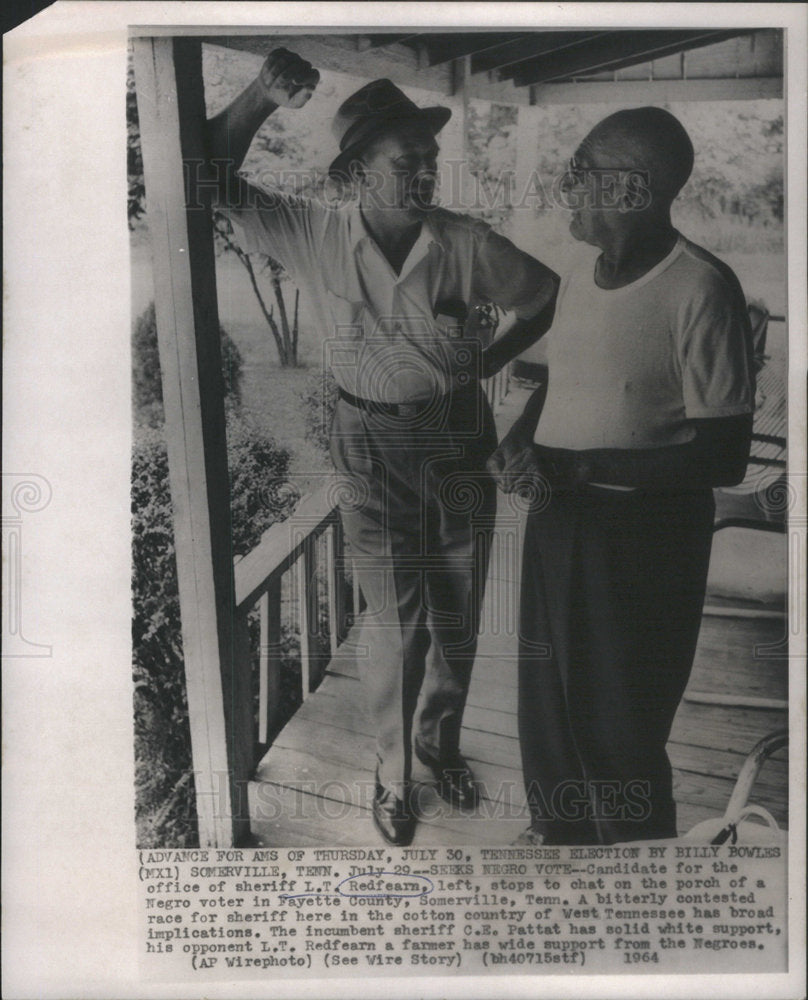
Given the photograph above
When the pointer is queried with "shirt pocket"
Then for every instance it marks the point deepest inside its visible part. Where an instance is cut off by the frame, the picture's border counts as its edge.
(347, 316)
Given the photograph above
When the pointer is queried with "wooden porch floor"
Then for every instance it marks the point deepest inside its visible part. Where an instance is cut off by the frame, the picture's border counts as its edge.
(315, 784)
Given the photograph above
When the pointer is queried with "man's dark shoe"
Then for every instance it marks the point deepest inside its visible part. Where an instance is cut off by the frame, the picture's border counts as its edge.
(393, 817)
(455, 781)
(530, 838)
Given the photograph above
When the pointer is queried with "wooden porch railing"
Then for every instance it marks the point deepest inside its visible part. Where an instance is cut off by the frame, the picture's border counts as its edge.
(497, 387)
(292, 547)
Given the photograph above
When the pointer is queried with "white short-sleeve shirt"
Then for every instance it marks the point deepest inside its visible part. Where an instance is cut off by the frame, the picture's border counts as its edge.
(629, 367)
(386, 336)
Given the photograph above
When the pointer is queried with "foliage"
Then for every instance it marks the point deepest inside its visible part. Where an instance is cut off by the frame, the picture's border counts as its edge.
(259, 472)
(491, 131)
(162, 734)
(271, 141)
(136, 200)
(319, 398)
(258, 468)
(738, 170)
(147, 386)
(284, 331)
(259, 482)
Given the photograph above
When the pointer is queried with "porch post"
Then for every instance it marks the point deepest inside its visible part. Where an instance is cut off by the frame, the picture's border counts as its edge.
(527, 155)
(171, 111)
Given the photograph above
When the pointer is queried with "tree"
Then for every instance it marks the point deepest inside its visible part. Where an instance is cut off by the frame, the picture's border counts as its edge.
(272, 141)
(259, 496)
(284, 333)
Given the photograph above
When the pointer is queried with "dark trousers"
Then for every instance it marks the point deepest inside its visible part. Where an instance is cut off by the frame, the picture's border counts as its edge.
(612, 593)
(418, 511)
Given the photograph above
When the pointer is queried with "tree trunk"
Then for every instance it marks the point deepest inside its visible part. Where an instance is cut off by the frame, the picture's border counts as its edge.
(286, 356)
(288, 339)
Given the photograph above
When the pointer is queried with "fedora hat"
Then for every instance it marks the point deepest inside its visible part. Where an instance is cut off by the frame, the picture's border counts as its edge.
(373, 108)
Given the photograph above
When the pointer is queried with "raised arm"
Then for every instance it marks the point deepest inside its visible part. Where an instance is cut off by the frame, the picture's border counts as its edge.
(285, 80)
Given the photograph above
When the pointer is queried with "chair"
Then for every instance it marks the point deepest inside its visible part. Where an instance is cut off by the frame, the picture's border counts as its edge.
(748, 564)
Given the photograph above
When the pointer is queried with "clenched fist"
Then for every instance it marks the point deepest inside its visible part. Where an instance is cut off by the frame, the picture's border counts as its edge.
(287, 80)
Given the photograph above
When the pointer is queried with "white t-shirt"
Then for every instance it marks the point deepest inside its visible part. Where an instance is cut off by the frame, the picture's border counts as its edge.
(629, 367)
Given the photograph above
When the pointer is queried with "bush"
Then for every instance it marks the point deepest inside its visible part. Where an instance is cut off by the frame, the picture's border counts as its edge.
(320, 398)
(258, 468)
(162, 736)
(147, 387)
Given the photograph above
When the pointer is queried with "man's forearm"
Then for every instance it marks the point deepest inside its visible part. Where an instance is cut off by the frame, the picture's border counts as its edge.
(230, 133)
(684, 466)
(524, 427)
(228, 137)
(680, 466)
(523, 334)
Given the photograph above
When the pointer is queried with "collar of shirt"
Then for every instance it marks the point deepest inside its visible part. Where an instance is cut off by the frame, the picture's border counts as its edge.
(428, 235)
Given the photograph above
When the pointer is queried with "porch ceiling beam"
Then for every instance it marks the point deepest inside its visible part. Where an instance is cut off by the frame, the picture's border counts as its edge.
(338, 53)
(445, 47)
(529, 46)
(375, 41)
(623, 48)
(658, 91)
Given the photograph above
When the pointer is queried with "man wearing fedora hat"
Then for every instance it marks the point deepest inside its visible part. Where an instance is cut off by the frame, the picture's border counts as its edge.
(401, 289)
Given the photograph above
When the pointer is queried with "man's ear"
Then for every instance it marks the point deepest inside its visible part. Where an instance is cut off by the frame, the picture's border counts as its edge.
(636, 191)
(357, 170)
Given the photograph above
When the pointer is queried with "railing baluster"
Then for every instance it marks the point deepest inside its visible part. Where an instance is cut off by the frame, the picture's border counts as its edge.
(310, 554)
(336, 608)
(355, 592)
(306, 569)
(269, 687)
(340, 567)
(263, 670)
(284, 568)
(303, 619)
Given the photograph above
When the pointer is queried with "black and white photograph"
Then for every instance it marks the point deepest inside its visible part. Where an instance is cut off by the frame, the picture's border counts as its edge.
(455, 397)
(443, 263)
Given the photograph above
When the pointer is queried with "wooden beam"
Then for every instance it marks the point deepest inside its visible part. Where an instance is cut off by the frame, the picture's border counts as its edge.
(379, 40)
(447, 46)
(402, 64)
(171, 111)
(658, 91)
(454, 143)
(281, 545)
(528, 47)
(339, 54)
(527, 155)
(617, 49)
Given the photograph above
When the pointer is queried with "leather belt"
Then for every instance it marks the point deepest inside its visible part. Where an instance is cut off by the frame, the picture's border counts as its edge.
(389, 409)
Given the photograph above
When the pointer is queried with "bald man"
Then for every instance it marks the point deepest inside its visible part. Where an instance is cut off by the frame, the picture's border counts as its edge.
(649, 405)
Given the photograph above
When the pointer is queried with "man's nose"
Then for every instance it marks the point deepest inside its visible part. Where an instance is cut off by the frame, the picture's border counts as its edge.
(573, 190)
